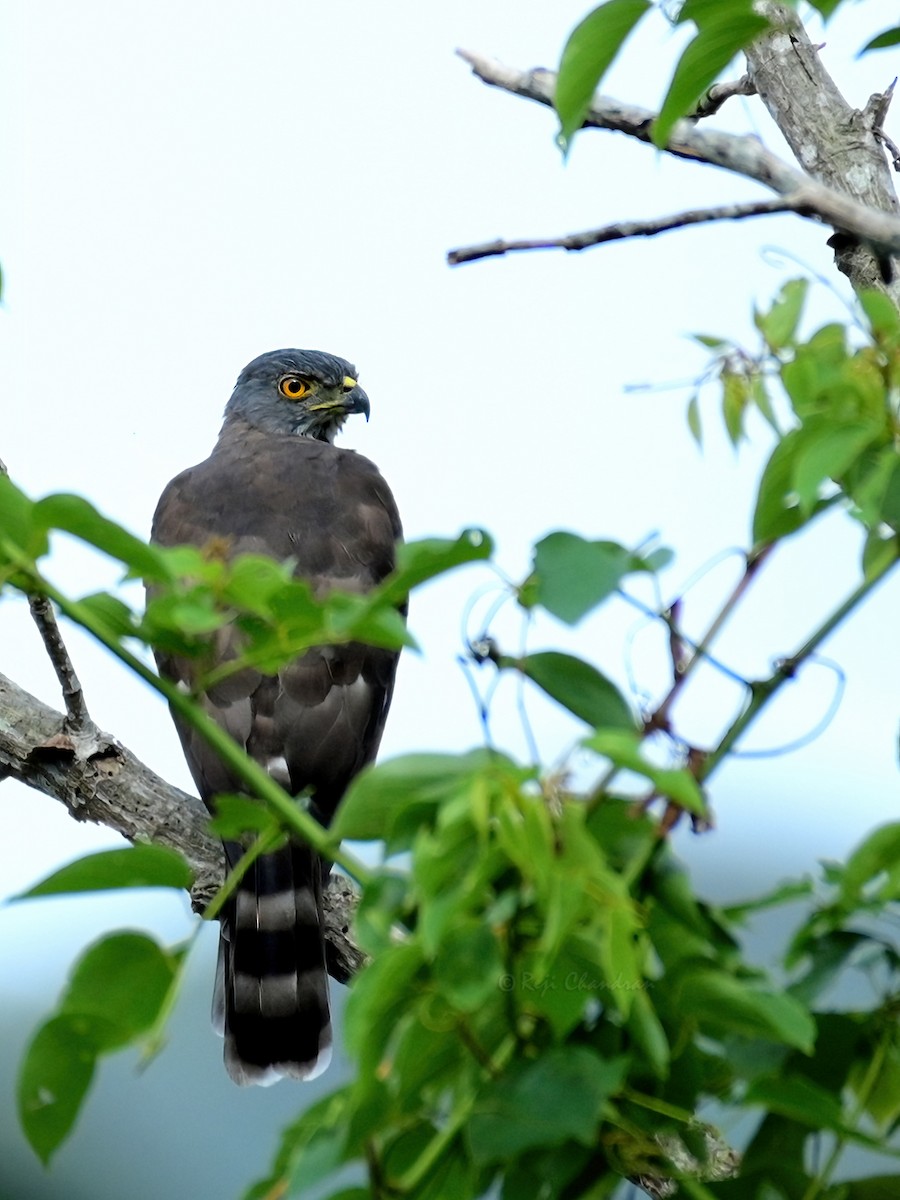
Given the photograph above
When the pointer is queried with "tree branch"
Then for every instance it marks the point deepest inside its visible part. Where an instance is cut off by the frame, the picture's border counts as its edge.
(78, 719)
(100, 780)
(834, 142)
(719, 93)
(623, 229)
(740, 154)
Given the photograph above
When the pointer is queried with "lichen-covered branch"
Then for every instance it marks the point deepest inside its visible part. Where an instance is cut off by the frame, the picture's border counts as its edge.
(836, 144)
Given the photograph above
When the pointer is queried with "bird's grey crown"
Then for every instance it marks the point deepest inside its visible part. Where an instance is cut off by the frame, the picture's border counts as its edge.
(257, 401)
(315, 364)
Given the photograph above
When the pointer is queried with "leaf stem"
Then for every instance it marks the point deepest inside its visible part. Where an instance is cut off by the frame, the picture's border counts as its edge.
(261, 845)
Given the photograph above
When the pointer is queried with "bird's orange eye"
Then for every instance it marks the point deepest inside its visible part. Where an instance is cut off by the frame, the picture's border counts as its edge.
(293, 387)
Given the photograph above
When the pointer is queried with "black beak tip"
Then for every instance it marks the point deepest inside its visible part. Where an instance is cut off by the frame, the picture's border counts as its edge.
(359, 402)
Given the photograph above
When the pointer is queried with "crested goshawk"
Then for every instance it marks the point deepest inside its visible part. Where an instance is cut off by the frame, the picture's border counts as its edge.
(276, 485)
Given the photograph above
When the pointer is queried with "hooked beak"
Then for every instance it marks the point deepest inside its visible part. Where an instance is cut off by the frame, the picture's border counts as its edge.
(356, 401)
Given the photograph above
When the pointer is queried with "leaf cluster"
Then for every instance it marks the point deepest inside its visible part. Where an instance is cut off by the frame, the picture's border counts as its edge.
(843, 401)
(549, 1005)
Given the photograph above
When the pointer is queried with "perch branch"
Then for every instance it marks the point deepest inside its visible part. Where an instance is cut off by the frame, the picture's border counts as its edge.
(624, 229)
(100, 780)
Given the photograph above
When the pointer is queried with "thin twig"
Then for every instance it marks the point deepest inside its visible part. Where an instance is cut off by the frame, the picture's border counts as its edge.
(628, 229)
(659, 719)
(719, 93)
(742, 154)
(78, 719)
(763, 691)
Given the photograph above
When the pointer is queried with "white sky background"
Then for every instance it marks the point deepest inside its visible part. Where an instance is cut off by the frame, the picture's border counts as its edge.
(187, 185)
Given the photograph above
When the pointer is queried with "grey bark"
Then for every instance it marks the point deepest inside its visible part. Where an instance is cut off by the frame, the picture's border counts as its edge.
(833, 142)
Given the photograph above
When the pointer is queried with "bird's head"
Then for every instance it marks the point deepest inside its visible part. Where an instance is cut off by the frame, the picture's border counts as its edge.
(303, 392)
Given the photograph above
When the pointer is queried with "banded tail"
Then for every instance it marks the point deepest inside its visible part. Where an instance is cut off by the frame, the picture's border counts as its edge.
(271, 995)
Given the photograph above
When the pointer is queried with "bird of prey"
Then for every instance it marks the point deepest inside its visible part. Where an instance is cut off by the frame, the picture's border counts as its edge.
(275, 484)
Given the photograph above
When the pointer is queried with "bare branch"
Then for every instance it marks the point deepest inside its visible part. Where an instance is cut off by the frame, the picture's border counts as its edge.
(740, 154)
(100, 780)
(625, 229)
(78, 719)
(719, 93)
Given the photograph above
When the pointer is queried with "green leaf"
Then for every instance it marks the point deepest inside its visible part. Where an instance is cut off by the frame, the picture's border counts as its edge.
(468, 966)
(554, 1100)
(890, 500)
(726, 1004)
(420, 561)
(759, 394)
(624, 749)
(110, 612)
(381, 995)
(120, 984)
(396, 797)
(589, 52)
(823, 452)
(877, 854)
(18, 526)
(571, 575)
(693, 420)
(55, 1075)
(236, 815)
(75, 515)
(253, 580)
(715, 45)
(579, 687)
(735, 396)
(799, 1098)
(779, 324)
(778, 512)
(370, 621)
(137, 866)
(826, 7)
(881, 1095)
(328, 1116)
(645, 1027)
(784, 893)
(882, 316)
(890, 37)
(711, 341)
(826, 955)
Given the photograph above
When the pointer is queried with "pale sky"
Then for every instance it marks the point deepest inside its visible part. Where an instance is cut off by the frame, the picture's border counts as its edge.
(191, 184)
